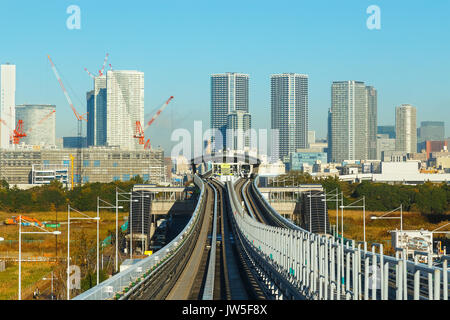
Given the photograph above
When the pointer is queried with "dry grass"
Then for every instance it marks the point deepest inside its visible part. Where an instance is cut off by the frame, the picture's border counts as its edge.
(46, 245)
(378, 230)
(31, 273)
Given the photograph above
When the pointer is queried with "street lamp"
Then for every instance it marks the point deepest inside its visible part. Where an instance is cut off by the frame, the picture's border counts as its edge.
(383, 216)
(110, 206)
(334, 197)
(20, 247)
(351, 205)
(85, 217)
(1, 239)
(130, 221)
(142, 196)
(52, 283)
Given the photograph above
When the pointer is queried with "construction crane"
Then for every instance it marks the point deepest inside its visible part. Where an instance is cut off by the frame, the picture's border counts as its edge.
(25, 221)
(80, 117)
(139, 131)
(100, 72)
(17, 133)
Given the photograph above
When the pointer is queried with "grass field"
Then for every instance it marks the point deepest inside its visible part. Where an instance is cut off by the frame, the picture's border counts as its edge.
(378, 230)
(31, 273)
(44, 245)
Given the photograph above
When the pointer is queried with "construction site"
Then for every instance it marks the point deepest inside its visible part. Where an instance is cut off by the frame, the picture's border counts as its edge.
(117, 149)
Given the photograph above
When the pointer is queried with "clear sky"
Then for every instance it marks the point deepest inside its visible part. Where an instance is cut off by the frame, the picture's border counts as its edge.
(179, 44)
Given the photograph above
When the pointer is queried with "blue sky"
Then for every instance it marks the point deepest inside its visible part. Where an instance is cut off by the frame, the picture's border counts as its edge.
(178, 44)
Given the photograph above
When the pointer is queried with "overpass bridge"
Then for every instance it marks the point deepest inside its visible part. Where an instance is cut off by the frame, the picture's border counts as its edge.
(236, 246)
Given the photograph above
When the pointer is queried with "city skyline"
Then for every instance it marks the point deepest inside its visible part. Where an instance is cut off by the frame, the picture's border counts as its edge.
(178, 61)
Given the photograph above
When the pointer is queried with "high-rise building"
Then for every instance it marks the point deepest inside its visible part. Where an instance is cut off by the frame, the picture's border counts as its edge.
(384, 144)
(90, 104)
(124, 106)
(238, 135)
(7, 103)
(371, 95)
(389, 130)
(289, 111)
(431, 130)
(349, 124)
(311, 137)
(229, 93)
(39, 123)
(329, 135)
(405, 129)
(97, 112)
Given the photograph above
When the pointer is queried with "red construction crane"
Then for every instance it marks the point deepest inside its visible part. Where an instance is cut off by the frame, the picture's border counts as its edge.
(100, 72)
(147, 145)
(18, 132)
(77, 115)
(139, 132)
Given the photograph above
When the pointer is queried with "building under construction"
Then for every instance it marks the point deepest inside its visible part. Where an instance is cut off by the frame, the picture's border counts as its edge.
(99, 164)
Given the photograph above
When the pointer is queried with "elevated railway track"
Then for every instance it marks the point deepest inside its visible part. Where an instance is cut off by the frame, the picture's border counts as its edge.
(237, 247)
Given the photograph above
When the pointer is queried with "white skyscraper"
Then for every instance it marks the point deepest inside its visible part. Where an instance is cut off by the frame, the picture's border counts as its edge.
(289, 111)
(405, 128)
(238, 125)
(229, 93)
(7, 102)
(125, 106)
(349, 121)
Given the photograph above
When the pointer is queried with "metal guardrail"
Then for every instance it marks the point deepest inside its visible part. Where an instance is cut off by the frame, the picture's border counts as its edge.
(274, 214)
(123, 283)
(208, 290)
(321, 267)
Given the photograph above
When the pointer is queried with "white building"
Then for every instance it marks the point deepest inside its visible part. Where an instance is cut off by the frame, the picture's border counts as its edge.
(398, 172)
(289, 111)
(349, 121)
(271, 169)
(311, 137)
(229, 93)
(405, 128)
(7, 103)
(125, 106)
(384, 144)
(238, 135)
(39, 123)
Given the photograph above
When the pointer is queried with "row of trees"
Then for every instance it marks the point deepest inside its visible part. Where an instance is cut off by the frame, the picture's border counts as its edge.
(430, 199)
(55, 196)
